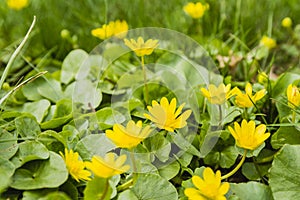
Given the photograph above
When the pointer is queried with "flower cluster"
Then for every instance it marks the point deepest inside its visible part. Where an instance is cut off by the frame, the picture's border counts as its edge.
(114, 28)
(219, 95)
(101, 167)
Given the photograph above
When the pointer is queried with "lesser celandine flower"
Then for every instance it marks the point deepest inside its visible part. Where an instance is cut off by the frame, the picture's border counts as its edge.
(208, 188)
(218, 95)
(286, 22)
(120, 29)
(293, 96)
(247, 100)
(248, 136)
(108, 166)
(114, 28)
(195, 10)
(268, 42)
(165, 116)
(129, 136)
(75, 166)
(17, 4)
(140, 47)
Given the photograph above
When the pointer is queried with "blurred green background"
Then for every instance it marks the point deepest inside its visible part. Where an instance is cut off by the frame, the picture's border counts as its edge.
(235, 25)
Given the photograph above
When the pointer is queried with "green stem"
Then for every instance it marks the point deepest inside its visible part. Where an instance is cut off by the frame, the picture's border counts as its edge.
(220, 116)
(16, 52)
(105, 190)
(125, 185)
(294, 117)
(145, 79)
(265, 160)
(134, 170)
(237, 167)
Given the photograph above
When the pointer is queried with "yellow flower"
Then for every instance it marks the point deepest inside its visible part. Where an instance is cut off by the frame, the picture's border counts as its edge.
(140, 47)
(114, 28)
(108, 166)
(195, 10)
(121, 28)
(248, 136)
(208, 188)
(218, 95)
(286, 22)
(17, 4)
(293, 96)
(130, 136)
(165, 116)
(75, 166)
(262, 78)
(268, 42)
(247, 100)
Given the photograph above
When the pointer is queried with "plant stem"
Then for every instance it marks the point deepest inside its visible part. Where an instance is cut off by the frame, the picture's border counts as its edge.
(16, 52)
(237, 167)
(220, 116)
(294, 117)
(105, 190)
(125, 185)
(134, 170)
(265, 160)
(145, 79)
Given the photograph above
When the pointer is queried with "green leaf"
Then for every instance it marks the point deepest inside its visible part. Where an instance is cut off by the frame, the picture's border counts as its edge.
(8, 144)
(63, 108)
(184, 144)
(56, 196)
(131, 79)
(87, 94)
(50, 89)
(284, 174)
(126, 195)
(27, 126)
(97, 188)
(225, 158)
(70, 189)
(39, 174)
(72, 64)
(90, 145)
(62, 114)
(107, 117)
(169, 171)
(252, 172)
(285, 135)
(282, 83)
(159, 146)
(260, 167)
(28, 151)
(146, 184)
(250, 191)
(37, 108)
(6, 172)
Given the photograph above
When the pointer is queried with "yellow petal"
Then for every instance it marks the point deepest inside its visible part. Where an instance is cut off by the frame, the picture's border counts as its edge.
(193, 194)
(197, 181)
(224, 188)
(248, 89)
